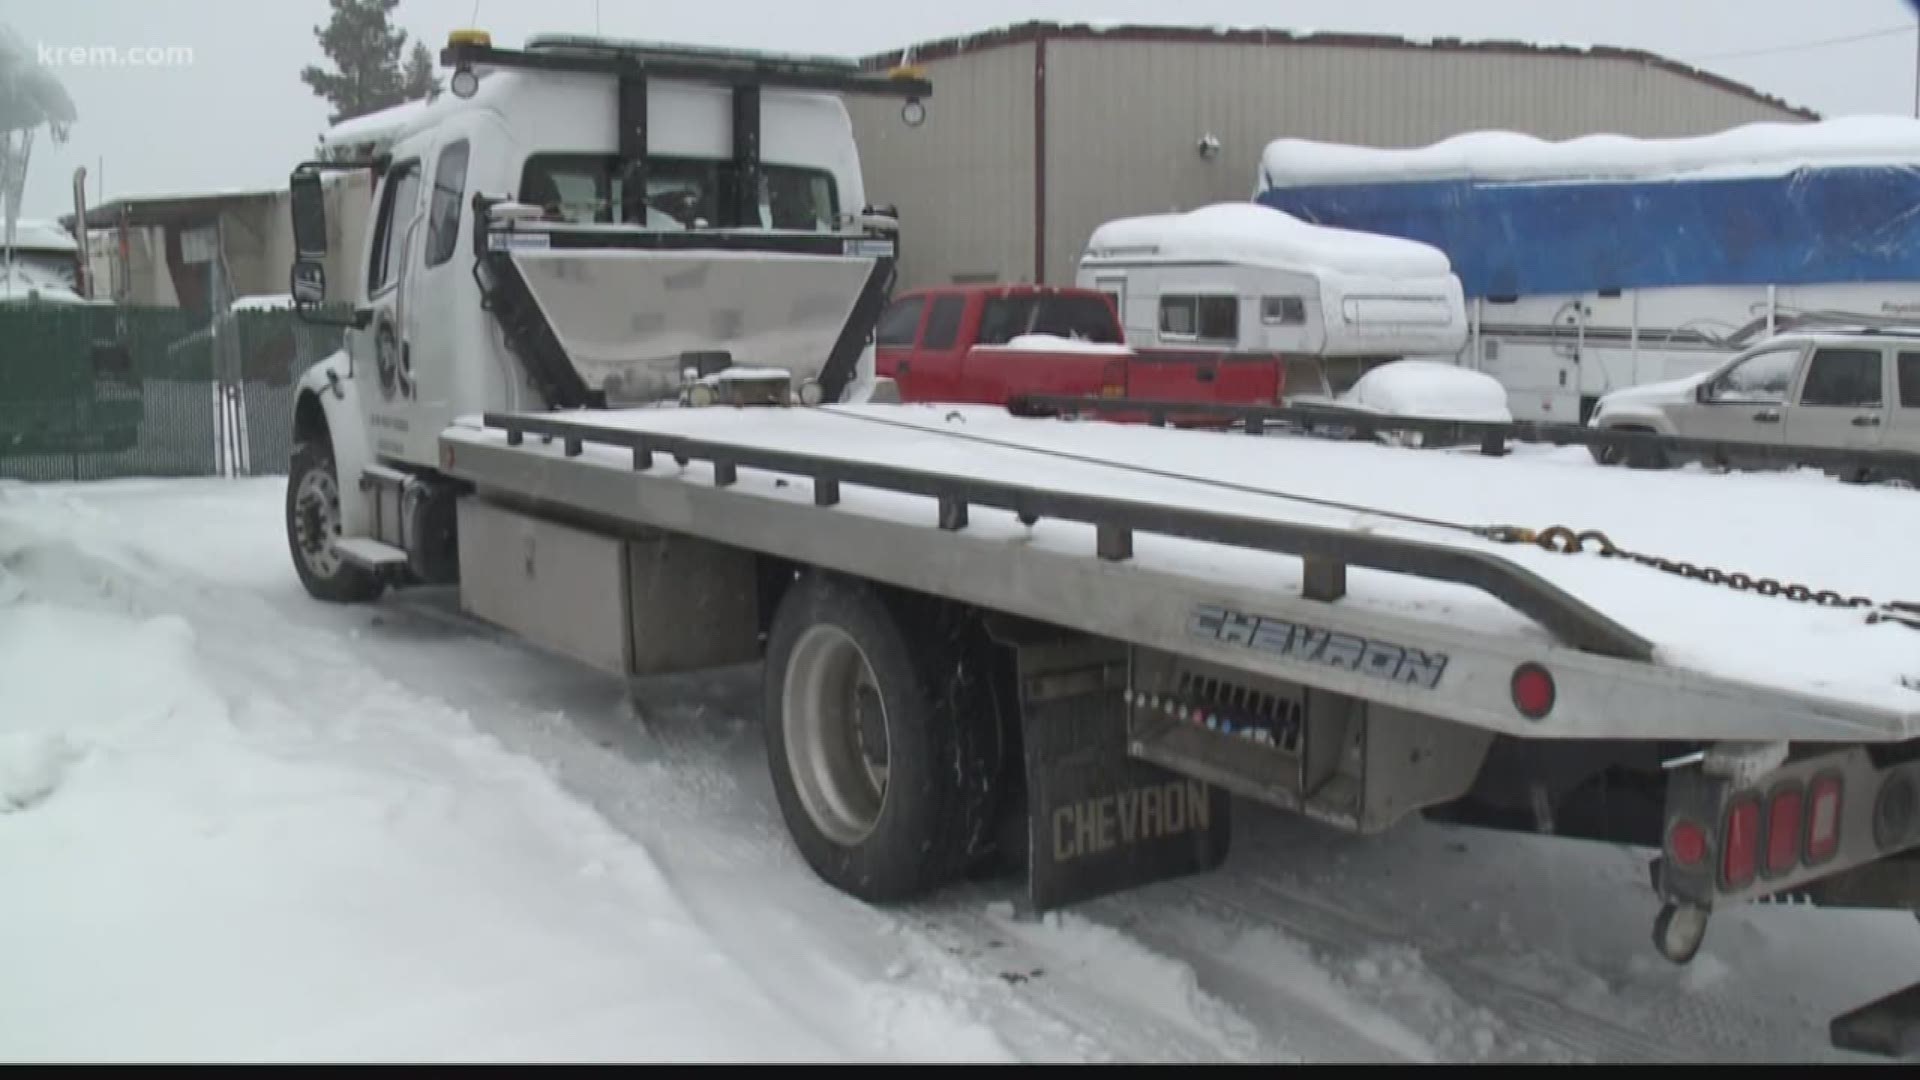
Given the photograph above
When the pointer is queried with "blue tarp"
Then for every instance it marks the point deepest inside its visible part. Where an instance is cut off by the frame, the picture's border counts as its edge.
(1507, 238)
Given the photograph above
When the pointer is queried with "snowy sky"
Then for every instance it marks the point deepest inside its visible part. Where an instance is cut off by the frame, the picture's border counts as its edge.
(237, 115)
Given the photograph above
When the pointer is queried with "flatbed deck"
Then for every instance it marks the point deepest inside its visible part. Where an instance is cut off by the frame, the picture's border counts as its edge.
(1721, 664)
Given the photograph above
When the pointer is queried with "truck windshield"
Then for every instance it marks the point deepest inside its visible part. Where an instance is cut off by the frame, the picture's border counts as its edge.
(682, 193)
(1082, 316)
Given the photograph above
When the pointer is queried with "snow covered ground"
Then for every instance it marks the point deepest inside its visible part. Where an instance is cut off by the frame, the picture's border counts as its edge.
(236, 824)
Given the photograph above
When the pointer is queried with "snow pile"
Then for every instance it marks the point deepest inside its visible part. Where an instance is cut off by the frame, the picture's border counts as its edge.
(1432, 389)
(1055, 344)
(228, 837)
(1256, 235)
(265, 302)
(1758, 149)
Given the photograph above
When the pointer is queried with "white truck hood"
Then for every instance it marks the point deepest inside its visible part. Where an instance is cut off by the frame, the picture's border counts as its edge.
(1671, 392)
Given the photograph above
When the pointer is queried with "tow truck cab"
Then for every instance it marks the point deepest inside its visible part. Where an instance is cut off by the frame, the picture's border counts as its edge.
(580, 224)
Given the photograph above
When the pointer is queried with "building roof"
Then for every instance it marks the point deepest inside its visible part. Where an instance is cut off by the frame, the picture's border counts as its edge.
(34, 235)
(1021, 33)
(176, 208)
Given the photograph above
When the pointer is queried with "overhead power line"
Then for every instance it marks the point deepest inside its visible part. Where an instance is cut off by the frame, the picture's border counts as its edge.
(1865, 35)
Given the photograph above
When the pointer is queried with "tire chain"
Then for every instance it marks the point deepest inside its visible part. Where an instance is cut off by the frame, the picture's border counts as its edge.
(1560, 539)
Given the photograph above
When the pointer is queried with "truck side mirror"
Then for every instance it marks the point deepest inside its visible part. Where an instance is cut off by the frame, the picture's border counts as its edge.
(309, 215)
(309, 284)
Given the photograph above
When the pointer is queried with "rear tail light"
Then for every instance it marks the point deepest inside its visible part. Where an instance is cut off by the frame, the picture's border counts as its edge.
(1113, 379)
(1740, 856)
(1823, 820)
(1783, 830)
(1533, 690)
(1687, 843)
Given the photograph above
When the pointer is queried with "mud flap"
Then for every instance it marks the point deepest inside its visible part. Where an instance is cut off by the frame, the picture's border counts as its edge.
(1100, 821)
(1889, 1027)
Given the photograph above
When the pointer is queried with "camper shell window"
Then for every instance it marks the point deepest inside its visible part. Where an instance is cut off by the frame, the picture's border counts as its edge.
(1283, 311)
(682, 193)
(1203, 318)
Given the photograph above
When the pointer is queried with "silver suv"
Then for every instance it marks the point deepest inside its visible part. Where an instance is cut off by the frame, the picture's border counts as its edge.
(1838, 389)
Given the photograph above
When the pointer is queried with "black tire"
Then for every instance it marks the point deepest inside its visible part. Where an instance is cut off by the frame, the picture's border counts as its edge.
(312, 516)
(940, 758)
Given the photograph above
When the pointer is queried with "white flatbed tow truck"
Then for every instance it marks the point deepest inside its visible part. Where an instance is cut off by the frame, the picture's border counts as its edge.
(1062, 646)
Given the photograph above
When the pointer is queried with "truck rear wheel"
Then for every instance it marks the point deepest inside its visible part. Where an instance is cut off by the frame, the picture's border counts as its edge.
(313, 520)
(875, 763)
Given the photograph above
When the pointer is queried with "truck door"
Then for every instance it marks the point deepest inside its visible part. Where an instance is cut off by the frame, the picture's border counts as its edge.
(939, 356)
(1746, 402)
(1842, 400)
(435, 292)
(893, 340)
(381, 353)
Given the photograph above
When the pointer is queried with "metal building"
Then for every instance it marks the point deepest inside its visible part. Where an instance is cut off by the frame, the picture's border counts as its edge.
(1038, 133)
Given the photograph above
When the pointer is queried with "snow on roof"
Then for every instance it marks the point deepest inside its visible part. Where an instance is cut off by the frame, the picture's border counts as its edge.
(1758, 149)
(378, 128)
(25, 286)
(1246, 232)
(35, 235)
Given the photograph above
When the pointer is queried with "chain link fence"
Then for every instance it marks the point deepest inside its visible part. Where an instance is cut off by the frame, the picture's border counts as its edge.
(91, 392)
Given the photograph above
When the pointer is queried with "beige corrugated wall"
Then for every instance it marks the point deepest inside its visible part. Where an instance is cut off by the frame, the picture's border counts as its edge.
(1124, 119)
(963, 181)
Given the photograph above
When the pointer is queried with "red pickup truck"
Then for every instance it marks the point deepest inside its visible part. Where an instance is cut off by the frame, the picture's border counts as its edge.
(991, 344)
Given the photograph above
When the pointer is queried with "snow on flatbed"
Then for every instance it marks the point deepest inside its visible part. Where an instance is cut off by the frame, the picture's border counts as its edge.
(242, 825)
(1794, 527)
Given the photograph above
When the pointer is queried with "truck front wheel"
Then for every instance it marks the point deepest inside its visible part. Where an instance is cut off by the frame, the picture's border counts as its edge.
(875, 767)
(313, 521)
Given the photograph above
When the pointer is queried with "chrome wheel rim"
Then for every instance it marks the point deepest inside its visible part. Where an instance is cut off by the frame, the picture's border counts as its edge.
(316, 521)
(835, 725)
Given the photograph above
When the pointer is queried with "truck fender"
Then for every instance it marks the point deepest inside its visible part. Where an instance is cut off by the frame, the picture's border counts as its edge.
(327, 407)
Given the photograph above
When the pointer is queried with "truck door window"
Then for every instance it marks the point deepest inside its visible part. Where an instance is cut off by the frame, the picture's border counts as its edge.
(1201, 318)
(900, 323)
(943, 323)
(1909, 374)
(1761, 378)
(443, 216)
(397, 203)
(1844, 378)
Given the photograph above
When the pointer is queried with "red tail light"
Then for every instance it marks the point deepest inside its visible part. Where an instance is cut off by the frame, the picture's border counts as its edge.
(1783, 830)
(1687, 843)
(1823, 819)
(1533, 690)
(1740, 859)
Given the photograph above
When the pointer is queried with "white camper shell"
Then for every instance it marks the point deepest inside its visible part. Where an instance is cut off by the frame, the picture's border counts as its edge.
(1243, 278)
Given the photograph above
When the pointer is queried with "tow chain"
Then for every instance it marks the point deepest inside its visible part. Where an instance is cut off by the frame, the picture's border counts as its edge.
(1563, 540)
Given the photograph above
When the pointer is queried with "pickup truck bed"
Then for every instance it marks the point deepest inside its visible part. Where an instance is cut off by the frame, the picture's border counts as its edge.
(1723, 664)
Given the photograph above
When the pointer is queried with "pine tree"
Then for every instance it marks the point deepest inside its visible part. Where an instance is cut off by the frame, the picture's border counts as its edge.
(366, 48)
(419, 81)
